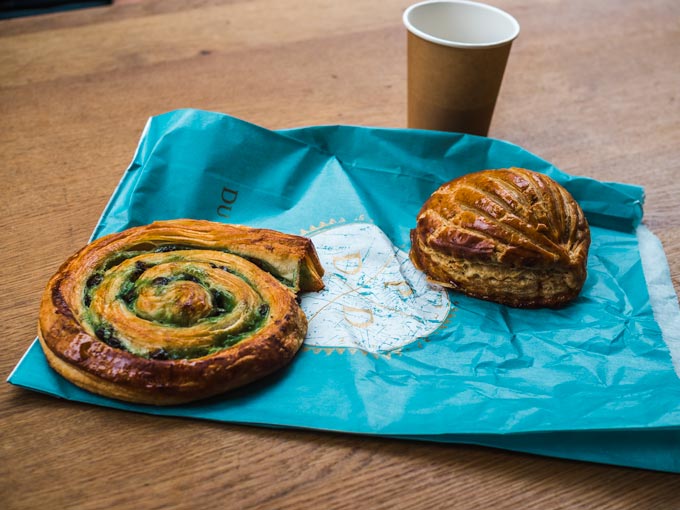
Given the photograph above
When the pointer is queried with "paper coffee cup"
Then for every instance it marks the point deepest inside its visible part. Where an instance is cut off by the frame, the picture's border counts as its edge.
(457, 52)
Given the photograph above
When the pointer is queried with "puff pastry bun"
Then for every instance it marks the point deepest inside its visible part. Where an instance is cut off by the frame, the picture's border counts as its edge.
(178, 310)
(512, 236)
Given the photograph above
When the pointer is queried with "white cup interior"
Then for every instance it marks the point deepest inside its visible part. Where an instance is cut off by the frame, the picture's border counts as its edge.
(461, 23)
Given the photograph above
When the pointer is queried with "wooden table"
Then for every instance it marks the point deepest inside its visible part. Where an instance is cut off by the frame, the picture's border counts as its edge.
(593, 87)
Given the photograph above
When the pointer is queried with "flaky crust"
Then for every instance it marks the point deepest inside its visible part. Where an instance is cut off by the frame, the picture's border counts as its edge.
(512, 236)
(177, 311)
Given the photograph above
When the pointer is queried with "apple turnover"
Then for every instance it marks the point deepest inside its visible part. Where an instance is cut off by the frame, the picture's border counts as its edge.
(178, 310)
(512, 236)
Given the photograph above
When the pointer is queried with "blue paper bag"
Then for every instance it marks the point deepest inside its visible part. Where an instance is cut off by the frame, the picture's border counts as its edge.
(389, 354)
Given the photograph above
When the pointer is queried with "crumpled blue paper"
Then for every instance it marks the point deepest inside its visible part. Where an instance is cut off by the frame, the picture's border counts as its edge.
(593, 381)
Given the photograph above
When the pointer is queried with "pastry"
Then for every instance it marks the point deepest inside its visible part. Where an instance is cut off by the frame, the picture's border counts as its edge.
(178, 310)
(512, 236)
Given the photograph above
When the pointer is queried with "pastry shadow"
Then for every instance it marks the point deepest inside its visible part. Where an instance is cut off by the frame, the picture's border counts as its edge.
(242, 393)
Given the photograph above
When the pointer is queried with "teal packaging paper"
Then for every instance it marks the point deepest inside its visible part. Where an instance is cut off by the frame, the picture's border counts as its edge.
(386, 352)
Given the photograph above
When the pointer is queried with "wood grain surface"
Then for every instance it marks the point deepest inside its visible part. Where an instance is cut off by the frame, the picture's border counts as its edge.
(591, 86)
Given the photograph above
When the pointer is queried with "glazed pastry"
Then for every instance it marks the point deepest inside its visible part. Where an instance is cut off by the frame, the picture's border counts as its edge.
(512, 236)
(177, 310)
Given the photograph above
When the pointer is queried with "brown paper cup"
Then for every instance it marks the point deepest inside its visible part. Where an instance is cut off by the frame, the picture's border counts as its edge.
(457, 52)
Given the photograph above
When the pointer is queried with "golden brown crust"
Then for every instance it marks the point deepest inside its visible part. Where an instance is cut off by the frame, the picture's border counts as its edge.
(176, 311)
(511, 235)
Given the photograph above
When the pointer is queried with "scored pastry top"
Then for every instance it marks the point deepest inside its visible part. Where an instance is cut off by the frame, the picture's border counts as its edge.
(509, 216)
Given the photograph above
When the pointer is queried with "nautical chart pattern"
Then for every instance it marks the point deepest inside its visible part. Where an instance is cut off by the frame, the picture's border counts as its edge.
(375, 299)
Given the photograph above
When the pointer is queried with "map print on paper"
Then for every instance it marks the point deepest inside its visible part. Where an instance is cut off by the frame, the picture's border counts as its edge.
(375, 299)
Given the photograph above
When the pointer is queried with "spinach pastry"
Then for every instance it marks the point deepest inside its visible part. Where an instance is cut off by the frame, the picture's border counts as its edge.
(178, 310)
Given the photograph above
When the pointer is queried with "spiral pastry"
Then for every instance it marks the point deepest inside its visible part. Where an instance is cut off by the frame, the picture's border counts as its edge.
(177, 311)
(511, 235)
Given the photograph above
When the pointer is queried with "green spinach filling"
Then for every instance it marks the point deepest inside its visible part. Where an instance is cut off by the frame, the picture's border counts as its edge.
(222, 303)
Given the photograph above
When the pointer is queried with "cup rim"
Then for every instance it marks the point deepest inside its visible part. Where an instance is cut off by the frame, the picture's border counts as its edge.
(456, 44)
